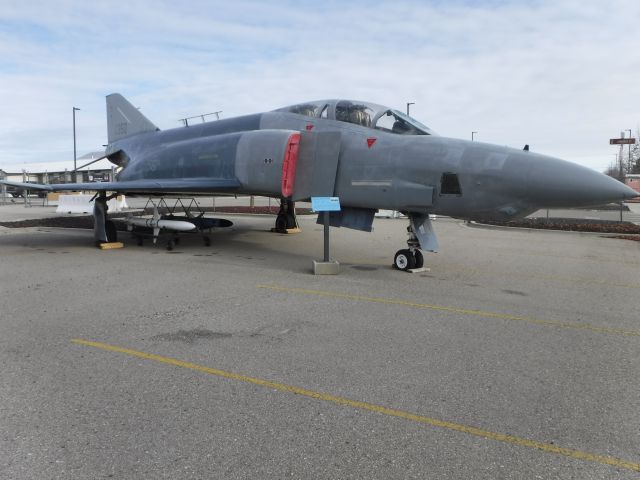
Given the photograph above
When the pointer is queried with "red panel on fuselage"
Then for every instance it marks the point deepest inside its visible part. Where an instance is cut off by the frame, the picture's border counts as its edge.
(289, 164)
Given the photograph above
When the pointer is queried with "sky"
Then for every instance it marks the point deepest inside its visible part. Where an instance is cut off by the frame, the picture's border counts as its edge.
(562, 75)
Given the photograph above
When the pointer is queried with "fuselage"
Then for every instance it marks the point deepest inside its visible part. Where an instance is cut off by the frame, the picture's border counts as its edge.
(379, 164)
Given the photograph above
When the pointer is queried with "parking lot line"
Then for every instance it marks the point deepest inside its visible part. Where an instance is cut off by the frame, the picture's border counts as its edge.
(462, 311)
(469, 430)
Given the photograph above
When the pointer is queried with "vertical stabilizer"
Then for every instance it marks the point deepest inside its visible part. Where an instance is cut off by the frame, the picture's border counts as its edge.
(124, 120)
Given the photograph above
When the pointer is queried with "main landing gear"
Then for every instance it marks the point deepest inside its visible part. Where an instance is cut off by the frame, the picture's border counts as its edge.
(286, 218)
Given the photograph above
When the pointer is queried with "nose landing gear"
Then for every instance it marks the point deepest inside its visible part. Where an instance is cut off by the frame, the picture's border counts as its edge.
(409, 258)
(421, 236)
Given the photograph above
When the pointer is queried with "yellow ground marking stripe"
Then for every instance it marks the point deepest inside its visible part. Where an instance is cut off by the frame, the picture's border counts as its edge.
(559, 278)
(463, 311)
(572, 257)
(499, 437)
(571, 280)
(459, 269)
(576, 280)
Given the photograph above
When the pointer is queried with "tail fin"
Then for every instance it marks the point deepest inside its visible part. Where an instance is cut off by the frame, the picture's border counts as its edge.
(124, 120)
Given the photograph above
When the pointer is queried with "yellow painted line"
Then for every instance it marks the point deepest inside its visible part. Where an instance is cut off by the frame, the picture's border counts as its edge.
(465, 270)
(573, 280)
(463, 311)
(558, 278)
(627, 262)
(499, 437)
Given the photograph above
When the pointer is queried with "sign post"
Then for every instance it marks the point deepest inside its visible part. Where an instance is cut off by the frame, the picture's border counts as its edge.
(623, 141)
(325, 205)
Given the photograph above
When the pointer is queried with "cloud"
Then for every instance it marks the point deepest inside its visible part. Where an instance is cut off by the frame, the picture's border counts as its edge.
(561, 76)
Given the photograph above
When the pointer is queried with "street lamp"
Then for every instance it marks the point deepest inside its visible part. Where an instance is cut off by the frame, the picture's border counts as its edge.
(629, 164)
(472, 135)
(75, 172)
(618, 160)
(408, 105)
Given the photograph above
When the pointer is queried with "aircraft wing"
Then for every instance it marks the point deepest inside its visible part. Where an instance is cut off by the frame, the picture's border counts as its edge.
(157, 187)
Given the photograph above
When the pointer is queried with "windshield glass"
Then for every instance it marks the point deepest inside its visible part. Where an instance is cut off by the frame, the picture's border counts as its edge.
(394, 121)
(307, 109)
(413, 122)
(357, 113)
(362, 113)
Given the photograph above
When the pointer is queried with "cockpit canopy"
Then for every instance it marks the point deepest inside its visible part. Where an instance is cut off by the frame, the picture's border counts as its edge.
(361, 113)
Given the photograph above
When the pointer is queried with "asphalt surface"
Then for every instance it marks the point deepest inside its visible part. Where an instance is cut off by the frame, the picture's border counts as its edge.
(516, 356)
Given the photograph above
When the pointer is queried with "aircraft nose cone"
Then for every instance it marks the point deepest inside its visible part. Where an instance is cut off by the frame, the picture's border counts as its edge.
(556, 183)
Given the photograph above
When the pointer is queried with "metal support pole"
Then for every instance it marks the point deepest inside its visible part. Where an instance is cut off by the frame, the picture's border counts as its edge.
(326, 236)
(629, 164)
(408, 105)
(75, 166)
(3, 188)
(25, 192)
(621, 168)
(621, 207)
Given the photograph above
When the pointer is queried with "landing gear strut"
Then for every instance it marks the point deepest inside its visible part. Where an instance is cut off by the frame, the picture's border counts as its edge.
(421, 236)
(286, 218)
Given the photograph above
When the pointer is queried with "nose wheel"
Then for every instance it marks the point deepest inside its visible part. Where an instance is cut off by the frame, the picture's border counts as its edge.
(407, 259)
(404, 260)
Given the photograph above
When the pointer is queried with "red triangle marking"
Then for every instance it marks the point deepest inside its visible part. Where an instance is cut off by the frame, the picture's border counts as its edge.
(371, 141)
(309, 126)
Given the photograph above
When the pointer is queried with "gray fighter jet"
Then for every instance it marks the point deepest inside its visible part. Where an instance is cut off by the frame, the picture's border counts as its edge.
(370, 156)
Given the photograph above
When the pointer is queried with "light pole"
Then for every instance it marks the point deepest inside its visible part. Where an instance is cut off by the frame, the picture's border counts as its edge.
(75, 172)
(618, 160)
(408, 105)
(629, 164)
(473, 135)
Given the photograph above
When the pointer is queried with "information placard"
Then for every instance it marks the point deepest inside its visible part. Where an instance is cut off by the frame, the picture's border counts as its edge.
(325, 204)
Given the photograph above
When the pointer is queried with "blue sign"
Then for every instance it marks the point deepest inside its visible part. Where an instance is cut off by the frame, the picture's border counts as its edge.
(325, 204)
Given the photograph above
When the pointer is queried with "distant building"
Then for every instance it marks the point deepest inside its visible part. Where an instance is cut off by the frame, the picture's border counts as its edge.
(633, 180)
(60, 172)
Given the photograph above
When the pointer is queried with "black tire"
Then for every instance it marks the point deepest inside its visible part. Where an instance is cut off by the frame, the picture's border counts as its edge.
(419, 259)
(404, 260)
(111, 231)
(170, 245)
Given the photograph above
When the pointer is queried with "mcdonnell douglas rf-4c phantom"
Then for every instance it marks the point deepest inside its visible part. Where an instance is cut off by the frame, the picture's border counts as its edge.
(370, 156)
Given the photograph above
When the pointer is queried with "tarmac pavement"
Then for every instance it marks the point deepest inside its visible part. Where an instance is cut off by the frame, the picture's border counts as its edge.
(517, 355)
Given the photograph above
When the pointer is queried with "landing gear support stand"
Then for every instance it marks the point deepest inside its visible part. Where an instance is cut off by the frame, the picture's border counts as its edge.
(104, 230)
(286, 221)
